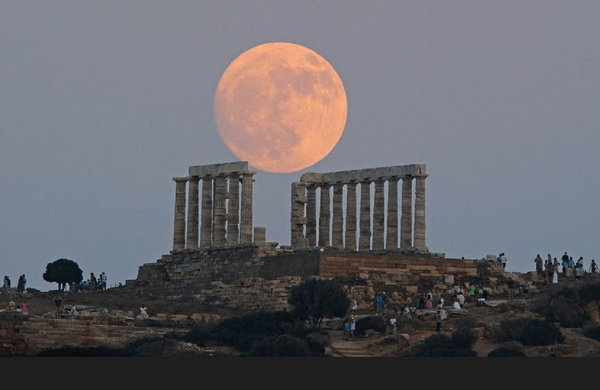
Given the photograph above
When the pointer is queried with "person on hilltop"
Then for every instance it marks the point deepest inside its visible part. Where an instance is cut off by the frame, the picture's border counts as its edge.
(555, 266)
(539, 265)
(593, 268)
(57, 305)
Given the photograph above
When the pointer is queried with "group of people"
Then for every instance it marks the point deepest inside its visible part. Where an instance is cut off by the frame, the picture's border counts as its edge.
(20, 284)
(549, 269)
(93, 283)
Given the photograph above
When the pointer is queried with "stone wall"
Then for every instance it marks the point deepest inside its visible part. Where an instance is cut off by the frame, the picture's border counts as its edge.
(22, 335)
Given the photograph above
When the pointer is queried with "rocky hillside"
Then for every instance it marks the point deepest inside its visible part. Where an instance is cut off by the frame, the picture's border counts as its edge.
(411, 331)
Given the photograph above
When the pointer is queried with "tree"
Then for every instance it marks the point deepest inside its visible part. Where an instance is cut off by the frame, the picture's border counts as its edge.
(63, 271)
(315, 299)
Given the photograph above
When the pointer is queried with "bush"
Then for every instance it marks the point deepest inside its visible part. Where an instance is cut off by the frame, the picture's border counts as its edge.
(370, 322)
(506, 352)
(280, 346)
(442, 345)
(592, 332)
(538, 332)
(315, 299)
(463, 338)
(509, 330)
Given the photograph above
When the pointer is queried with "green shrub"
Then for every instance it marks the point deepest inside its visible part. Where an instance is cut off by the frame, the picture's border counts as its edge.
(538, 332)
(592, 332)
(463, 338)
(509, 330)
(370, 322)
(280, 346)
(442, 345)
(506, 352)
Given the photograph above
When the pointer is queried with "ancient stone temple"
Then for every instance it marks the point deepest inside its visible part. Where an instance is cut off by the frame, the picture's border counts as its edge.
(371, 225)
(220, 213)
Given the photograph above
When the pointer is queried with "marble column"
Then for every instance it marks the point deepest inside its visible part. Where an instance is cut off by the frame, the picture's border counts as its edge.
(350, 231)
(179, 221)
(233, 210)
(311, 215)
(192, 222)
(219, 211)
(324, 215)
(364, 241)
(391, 241)
(298, 220)
(419, 240)
(206, 213)
(378, 214)
(246, 208)
(406, 219)
(338, 216)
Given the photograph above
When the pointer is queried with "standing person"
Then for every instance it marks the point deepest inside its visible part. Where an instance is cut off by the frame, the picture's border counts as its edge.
(577, 271)
(503, 258)
(352, 327)
(57, 305)
(539, 265)
(24, 306)
(555, 266)
(429, 303)
(143, 312)
(346, 328)
(461, 299)
(20, 284)
(580, 264)
(511, 288)
(441, 302)
(6, 285)
(393, 325)
(472, 294)
(593, 268)
(438, 321)
(93, 282)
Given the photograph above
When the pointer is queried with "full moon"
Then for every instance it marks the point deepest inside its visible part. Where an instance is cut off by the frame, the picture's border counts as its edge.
(281, 107)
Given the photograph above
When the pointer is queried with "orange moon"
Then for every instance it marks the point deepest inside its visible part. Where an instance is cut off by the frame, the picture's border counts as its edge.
(281, 107)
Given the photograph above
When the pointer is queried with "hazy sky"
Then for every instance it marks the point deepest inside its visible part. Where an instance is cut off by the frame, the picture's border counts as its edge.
(103, 103)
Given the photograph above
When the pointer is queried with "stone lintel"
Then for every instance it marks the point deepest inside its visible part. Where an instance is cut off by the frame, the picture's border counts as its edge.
(359, 175)
(218, 169)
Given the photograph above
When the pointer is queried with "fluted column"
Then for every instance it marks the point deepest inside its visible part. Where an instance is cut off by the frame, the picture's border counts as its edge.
(350, 231)
(192, 224)
(392, 214)
(298, 220)
(378, 214)
(338, 216)
(311, 215)
(233, 209)
(364, 241)
(206, 213)
(179, 220)
(246, 208)
(219, 213)
(324, 215)
(406, 219)
(419, 239)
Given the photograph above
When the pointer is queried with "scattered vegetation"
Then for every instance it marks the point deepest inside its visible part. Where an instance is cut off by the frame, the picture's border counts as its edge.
(315, 299)
(459, 344)
(528, 332)
(63, 272)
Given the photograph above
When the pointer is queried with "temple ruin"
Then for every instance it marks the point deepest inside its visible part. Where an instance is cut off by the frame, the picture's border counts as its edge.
(220, 214)
(354, 187)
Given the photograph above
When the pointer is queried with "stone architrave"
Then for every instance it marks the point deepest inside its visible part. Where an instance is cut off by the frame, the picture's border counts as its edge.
(350, 231)
(179, 220)
(324, 215)
(219, 220)
(419, 238)
(406, 218)
(391, 241)
(246, 208)
(206, 213)
(364, 241)
(192, 224)
(311, 214)
(379, 214)
(338, 216)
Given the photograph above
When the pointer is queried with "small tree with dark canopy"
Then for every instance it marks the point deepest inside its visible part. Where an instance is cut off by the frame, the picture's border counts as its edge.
(63, 271)
(315, 299)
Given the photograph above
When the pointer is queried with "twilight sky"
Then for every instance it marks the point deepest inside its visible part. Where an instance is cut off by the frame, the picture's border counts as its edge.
(103, 103)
